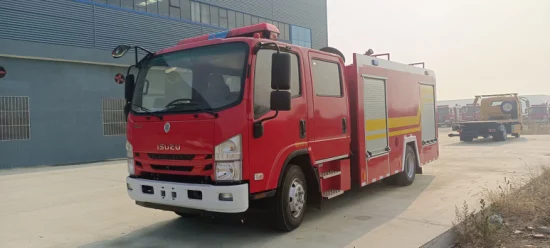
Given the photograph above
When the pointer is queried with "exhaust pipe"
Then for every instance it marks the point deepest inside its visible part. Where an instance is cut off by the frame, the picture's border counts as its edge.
(453, 135)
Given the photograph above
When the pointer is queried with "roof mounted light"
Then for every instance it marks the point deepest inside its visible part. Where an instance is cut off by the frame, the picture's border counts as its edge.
(263, 30)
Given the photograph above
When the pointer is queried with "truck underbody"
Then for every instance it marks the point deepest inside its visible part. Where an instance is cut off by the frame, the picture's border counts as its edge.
(498, 130)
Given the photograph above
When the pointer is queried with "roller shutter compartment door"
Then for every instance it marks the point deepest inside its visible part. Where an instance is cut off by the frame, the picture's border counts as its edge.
(376, 115)
(427, 104)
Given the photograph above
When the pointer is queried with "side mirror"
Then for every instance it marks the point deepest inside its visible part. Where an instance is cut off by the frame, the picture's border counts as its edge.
(280, 71)
(120, 51)
(3, 72)
(129, 87)
(280, 100)
(280, 82)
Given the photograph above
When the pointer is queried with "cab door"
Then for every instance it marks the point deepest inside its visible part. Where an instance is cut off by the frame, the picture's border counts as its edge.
(282, 135)
(329, 138)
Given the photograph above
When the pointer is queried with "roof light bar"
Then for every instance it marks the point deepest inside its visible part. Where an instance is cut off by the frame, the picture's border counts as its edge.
(265, 30)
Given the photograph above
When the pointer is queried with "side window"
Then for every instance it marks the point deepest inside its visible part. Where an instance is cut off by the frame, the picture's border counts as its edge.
(262, 81)
(326, 78)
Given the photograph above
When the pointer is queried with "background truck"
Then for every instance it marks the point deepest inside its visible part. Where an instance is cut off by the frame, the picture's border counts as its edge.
(539, 113)
(469, 112)
(499, 116)
(446, 115)
(234, 120)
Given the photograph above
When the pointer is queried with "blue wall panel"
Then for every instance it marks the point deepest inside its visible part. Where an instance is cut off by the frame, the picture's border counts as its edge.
(48, 21)
(65, 107)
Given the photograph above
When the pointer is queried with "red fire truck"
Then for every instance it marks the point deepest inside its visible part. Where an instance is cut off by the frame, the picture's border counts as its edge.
(539, 113)
(225, 122)
(445, 115)
(469, 112)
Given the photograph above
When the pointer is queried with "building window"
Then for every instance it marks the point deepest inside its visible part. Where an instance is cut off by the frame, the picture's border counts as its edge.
(152, 6)
(262, 80)
(140, 5)
(247, 20)
(14, 118)
(127, 4)
(214, 16)
(195, 12)
(301, 36)
(326, 78)
(164, 7)
(205, 14)
(231, 19)
(113, 2)
(223, 18)
(114, 120)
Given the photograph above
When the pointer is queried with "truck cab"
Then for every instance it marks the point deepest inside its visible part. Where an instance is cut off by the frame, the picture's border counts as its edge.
(539, 113)
(469, 112)
(445, 115)
(213, 120)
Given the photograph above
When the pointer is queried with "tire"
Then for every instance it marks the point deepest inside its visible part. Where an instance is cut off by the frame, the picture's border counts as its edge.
(501, 134)
(517, 135)
(466, 138)
(407, 176)
(289, 217)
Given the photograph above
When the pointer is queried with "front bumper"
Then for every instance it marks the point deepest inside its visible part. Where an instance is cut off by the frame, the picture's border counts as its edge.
(177, 194)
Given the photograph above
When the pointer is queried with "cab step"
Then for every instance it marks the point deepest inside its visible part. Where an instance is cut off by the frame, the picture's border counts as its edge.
(329, 174)
(332, 193)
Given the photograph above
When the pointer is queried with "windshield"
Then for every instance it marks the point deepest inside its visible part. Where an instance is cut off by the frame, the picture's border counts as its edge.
(201, 79)
(443, 111)
(470, 110)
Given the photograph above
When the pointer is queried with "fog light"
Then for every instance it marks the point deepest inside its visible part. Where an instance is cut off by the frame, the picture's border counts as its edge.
(129, 187)
(226, 197)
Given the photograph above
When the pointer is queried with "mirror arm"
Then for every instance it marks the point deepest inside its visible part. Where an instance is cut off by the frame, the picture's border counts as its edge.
(258, 125)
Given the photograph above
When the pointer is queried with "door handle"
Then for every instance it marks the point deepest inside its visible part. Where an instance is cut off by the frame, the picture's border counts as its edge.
(302, 129)
(344, 126)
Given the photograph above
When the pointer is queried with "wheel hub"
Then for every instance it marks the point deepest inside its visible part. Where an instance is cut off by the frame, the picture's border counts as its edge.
(296, 198)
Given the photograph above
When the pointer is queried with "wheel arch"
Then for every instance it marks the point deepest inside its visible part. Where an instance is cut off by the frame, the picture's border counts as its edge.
(413, 143)
(302, 159)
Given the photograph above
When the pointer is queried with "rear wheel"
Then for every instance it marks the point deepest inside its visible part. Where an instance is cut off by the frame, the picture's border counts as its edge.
(406, 177)
(466, 138)
(517, 135)
(291, 200)
(500, 134)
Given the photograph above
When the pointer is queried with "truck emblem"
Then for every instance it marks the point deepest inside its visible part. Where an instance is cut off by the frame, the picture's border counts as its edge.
(168, 147)
(167, 127)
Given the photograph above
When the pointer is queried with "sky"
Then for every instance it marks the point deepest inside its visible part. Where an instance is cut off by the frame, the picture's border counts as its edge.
(474, 46)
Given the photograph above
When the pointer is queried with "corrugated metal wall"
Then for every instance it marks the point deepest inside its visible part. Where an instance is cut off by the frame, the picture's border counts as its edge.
(66, 98)
(65, 102)
(83, 24)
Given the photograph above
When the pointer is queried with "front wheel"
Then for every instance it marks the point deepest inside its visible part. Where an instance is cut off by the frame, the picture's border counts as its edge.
(291, 200)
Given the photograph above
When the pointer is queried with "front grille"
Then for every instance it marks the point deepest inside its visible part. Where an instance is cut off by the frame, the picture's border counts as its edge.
(176, 178)
(159, 156)
(171, 167)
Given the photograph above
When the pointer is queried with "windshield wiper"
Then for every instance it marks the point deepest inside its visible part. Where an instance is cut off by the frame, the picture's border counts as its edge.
(146, 110)
(195, 105)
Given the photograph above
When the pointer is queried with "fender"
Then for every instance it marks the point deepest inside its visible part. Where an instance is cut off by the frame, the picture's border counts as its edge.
(287, 160)
(312, 175)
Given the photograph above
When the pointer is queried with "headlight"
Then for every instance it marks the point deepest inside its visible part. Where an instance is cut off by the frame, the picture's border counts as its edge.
(130, 158)
(228, 160)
